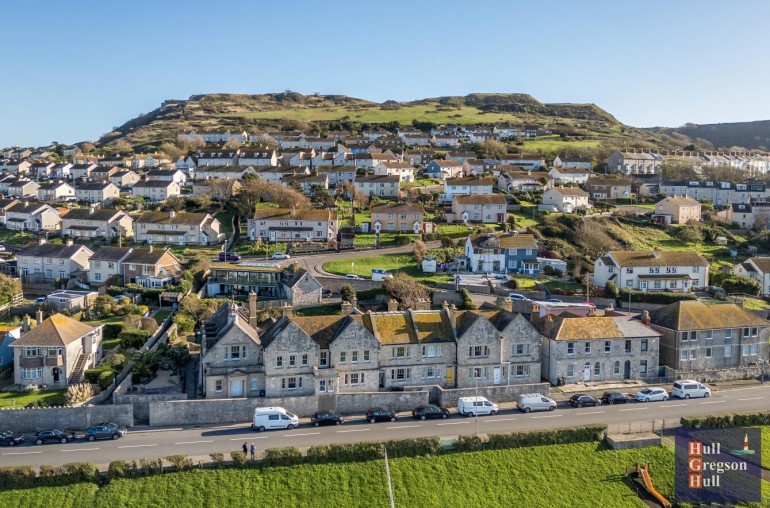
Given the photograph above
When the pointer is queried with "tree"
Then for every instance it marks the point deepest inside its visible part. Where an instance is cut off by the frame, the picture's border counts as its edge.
(692, 232)
(199, 310)
(173, 151)
(87, 147)
(222, 188)
(175, 203)
(347, 292)
(8, 288)
(190, 142)
(254, 191)
(741, 285)
(406, 290)
(491, 149)
(122, 146)
(610, 290)
(103, 306)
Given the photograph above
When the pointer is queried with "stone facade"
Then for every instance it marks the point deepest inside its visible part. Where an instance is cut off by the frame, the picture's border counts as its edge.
(354, 353)
(290, 357)
(305, 290)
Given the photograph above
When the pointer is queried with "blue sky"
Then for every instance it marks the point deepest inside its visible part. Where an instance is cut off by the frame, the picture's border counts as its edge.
(73, 70)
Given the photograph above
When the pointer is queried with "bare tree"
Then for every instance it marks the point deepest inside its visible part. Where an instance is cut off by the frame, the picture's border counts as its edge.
(122, 146)
(222, 188)
(87, 147)
(406, 290)
(190, 141)
(173, 151)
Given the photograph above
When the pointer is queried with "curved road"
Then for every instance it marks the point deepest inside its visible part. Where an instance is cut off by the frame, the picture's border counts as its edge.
(201, 441)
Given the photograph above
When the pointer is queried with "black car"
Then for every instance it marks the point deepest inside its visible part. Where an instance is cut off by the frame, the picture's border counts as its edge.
(54, 435)
(579, 400)
(104, 431)
(11, 438)
(326, 418)
(380, 414)
(614, 398)
(326, 293)
(430, 411)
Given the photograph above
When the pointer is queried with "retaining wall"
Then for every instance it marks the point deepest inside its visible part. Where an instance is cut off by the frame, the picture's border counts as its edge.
(335, 284)
(141, 402)
(717, 375)
(204, 412)
(507, 393)
(348, 403)
(70, 418)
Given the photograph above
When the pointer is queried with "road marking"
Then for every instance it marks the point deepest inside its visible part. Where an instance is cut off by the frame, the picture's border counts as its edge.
(590, 413)
(353, 430)
(402, 427)
(711, 402)
(673, 405)
(500, 420)
(80, 450)
(547, 416)
(20, 453)
(453, 423)
(234, 426)
(195, 442)
(633, 409)
(137, 446)
(246, 439)
(752, 398)
(305, 434)
(143, 431)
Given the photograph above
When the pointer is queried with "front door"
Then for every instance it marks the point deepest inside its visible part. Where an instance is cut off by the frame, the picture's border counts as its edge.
(55, 375)
(627, 370)
(382, 379)
(496, 377)
(236, 388)
(450, 375)
(587, 372)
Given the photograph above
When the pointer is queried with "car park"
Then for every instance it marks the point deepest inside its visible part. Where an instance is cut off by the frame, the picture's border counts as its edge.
(430, 411)
(266, 418)
(53, 436)
(326, 418)
(690, 389)
(580, 400)
(651, 394)
(614, 398)
(280, 255)
(11, 438)
(104, 431)
(476, 406)
(529, 402)
(380, 414)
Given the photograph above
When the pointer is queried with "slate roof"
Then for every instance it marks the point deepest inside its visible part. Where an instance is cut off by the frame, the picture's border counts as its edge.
(571, 170)
(145, 257)
(189, 219)
(57, 330)
(154, 184)
(378, 179)
(470, 180)
(570, 191)
(409, 208)
(50, 250)
(694, 315)
(107, 253)
(286, 214)
(478, 199)
(95, 186)
(631, 258)
(679, 201)
(99, 214)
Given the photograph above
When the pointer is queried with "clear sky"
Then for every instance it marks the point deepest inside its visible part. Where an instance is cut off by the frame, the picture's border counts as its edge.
(71, 70)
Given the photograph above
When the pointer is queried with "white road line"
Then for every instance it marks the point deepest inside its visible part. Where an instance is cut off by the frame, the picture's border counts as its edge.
(633, 409)
(247, 438)
(305, 434)
(402, 427)
(155, 430)
(20, 453)
(137, 446)
(672, 405)
(235, 426)
(590, 413)
(500, 420)
(752, 398)
(546, 416)
(453, 423)
(195, 442)
(80, 450)
(353, 430)
(712, 402)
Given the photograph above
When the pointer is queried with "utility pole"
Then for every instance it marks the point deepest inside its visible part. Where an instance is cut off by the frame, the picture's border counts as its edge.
(390, 484)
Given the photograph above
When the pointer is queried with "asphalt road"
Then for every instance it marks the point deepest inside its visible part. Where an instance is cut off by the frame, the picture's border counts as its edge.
(200, 441)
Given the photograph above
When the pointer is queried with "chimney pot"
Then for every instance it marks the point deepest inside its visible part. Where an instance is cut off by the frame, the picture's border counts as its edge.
(646, 318)
(39, 316)
(392, 305)
(25, 326)
(346, 308)
(548, 325)
(149, 249)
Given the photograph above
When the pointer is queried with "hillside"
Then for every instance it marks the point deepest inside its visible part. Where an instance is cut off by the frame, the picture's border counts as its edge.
(288, 110)
(750, 135)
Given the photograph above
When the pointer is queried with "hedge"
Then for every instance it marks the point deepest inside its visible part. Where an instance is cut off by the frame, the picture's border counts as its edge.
(112, 330)
(662, 297)
(106, 379)
(722, 421)
(92, 375)
(585, 434)
(356, 452)
(22, 477)
(289, 456)
(413, 447)
(133, 338)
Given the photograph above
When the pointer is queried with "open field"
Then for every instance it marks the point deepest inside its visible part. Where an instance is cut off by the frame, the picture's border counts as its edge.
(554, 144)
(391, 262)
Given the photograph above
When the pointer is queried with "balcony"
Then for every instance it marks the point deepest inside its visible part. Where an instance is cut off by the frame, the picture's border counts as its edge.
(30, 362)
(220, 370)
(54, 361)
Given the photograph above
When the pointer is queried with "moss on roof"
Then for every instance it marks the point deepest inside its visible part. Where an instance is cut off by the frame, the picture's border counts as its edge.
(694, 315)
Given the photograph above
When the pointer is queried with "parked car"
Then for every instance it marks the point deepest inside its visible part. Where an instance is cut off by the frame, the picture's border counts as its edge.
(326, 293)
(11, 438)
(41, 300)
(554, 300)
(54, 435)
(614, 398)
(430, 411)
(351, 276)
(229, 256)
(580, 400)
(534, 402)
(473, 406)
(104, 431)
(280, 255)
(326, 418)
(273, 418)
(689, 388)
(651, 394)
(2, 248)
(380, 414)
(518, 297)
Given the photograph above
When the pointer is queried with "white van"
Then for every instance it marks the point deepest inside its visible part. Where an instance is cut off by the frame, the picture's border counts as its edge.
(534, 402)
(472, 406)
(273, 418)
(688, 388)
(380, 275)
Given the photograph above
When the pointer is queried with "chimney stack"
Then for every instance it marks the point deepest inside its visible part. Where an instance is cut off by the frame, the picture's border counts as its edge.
(25, 326)
(346, 308)
(150, 248)
(646, 318)
(171, 213)
(423, 304)
(392, 305)
(39, 316)
(507, 304)
(91, 209)
(535, 313)
(286, 310)
(253, 309)
(354, 302)
(548, 325)
(68, 243)
(42, 240)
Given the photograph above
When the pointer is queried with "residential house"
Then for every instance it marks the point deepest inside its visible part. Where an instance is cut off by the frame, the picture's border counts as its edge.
(382, 186)
(126, 178)
(259, 156)
(445, 141)
(564, 199)
(303, 158)
(420, 156)
(22, 188)
(290, 225)
(62, 170)
(118, 161)
(573, 162)
(16, 167)
(467, 186)
(149, 160)
(697, 337)
(177, 228)
(49, 261)
(83, 171)
(217, 157)
(8, 334)
(26, 216)
(156, 191)
(403, 170)
(756, 268)
(489, 209)
(568, 174)
(677, 210)
(224, 172)
(528, 162)
(150, 268)
(97, 192)
(338, 175)
(520, 254)
(277, 174)
(266, 280)
(103, 173)
(5, 205)
(41, 170)
(56, 192)
(484, 253)
(56, 352)
(477, 167)
(401, 217)
(511, 180)
(166, 175)
(107, 262)
(307, 184)
(652, 270)
(635, 163)
(70, 300)
(443, 169)
(597, 349)
(91, 223)
(609, 188)
(369, 160)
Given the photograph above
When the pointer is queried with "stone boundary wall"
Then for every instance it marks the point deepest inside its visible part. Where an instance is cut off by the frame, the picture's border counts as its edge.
(205, 412)
(335, 284)
(349, 403)
(70, 418)
(507, 393)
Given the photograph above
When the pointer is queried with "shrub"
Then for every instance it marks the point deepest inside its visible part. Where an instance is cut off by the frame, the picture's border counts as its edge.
(180, 462)
(219, 459)
(467, 300)
(413, 447)
(149, 324)
(92, 375)
(184, 323)
(133, 339)
(112, 330)
(106, 379)
(120, 469)
(585, 434)
(610, 290)
(722, 421)
(347, 293)
(79, 392)
(662, 297)
(318, 454)
(149, 467)
(17, 477)
(239, 459)
(741, 285)
(402, 240)
(289, 456)
(75, 472)
(116, 360)
(468, 444)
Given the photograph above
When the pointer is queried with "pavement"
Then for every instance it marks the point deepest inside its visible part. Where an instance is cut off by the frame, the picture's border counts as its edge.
(199, 442)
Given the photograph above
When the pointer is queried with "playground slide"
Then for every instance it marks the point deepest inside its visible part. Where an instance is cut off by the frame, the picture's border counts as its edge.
(644, 474)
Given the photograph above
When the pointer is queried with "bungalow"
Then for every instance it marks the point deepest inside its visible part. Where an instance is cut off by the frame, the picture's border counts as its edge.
(564, 199)
(489, 209)
(382, 186)
(156, 191)
(92, 222)
(652, 270)
(177, 228)
(56, 192)
(403, 170)
(26, 216)
(150, 268)
(467, 186)
(49, 261)
(527, 162)
(443, 169)
(97, 192)
(568, 174)
(123, 179)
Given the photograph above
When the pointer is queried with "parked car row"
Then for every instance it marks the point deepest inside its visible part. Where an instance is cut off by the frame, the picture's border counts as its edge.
(92, 433)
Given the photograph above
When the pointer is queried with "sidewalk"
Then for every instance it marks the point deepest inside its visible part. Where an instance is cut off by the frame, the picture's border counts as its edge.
(629, 387)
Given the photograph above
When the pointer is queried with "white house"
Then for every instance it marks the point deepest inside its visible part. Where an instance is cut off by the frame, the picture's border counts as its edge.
(757, 268)
(484, 253)
(564, 199)
(467, 186)
(568, 174)
(156, 191)
(572, 162)
(652, 270)
(403, 170)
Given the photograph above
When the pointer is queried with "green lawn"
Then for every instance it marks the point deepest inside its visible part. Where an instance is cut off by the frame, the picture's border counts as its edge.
(331, 309)
(554, 144)
(161, 315)
(392, 262)
(21, 399)
(110, 344)
(226, 220)
(13, 237)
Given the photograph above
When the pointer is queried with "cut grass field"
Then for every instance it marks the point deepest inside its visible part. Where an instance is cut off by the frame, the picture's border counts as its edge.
(555, 144)
(536, 476)
(21, 399)
(391, 262)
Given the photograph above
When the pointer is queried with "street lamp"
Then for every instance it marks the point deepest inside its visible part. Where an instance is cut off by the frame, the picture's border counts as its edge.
(476, 411)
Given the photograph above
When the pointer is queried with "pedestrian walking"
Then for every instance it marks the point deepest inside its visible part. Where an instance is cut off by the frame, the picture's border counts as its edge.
(252, 451)
(245, 448)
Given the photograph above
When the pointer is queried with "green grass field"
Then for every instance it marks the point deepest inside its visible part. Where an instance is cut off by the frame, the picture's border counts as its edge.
(554, 144)
(14, 237)
(20, 399)
(392, 262)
